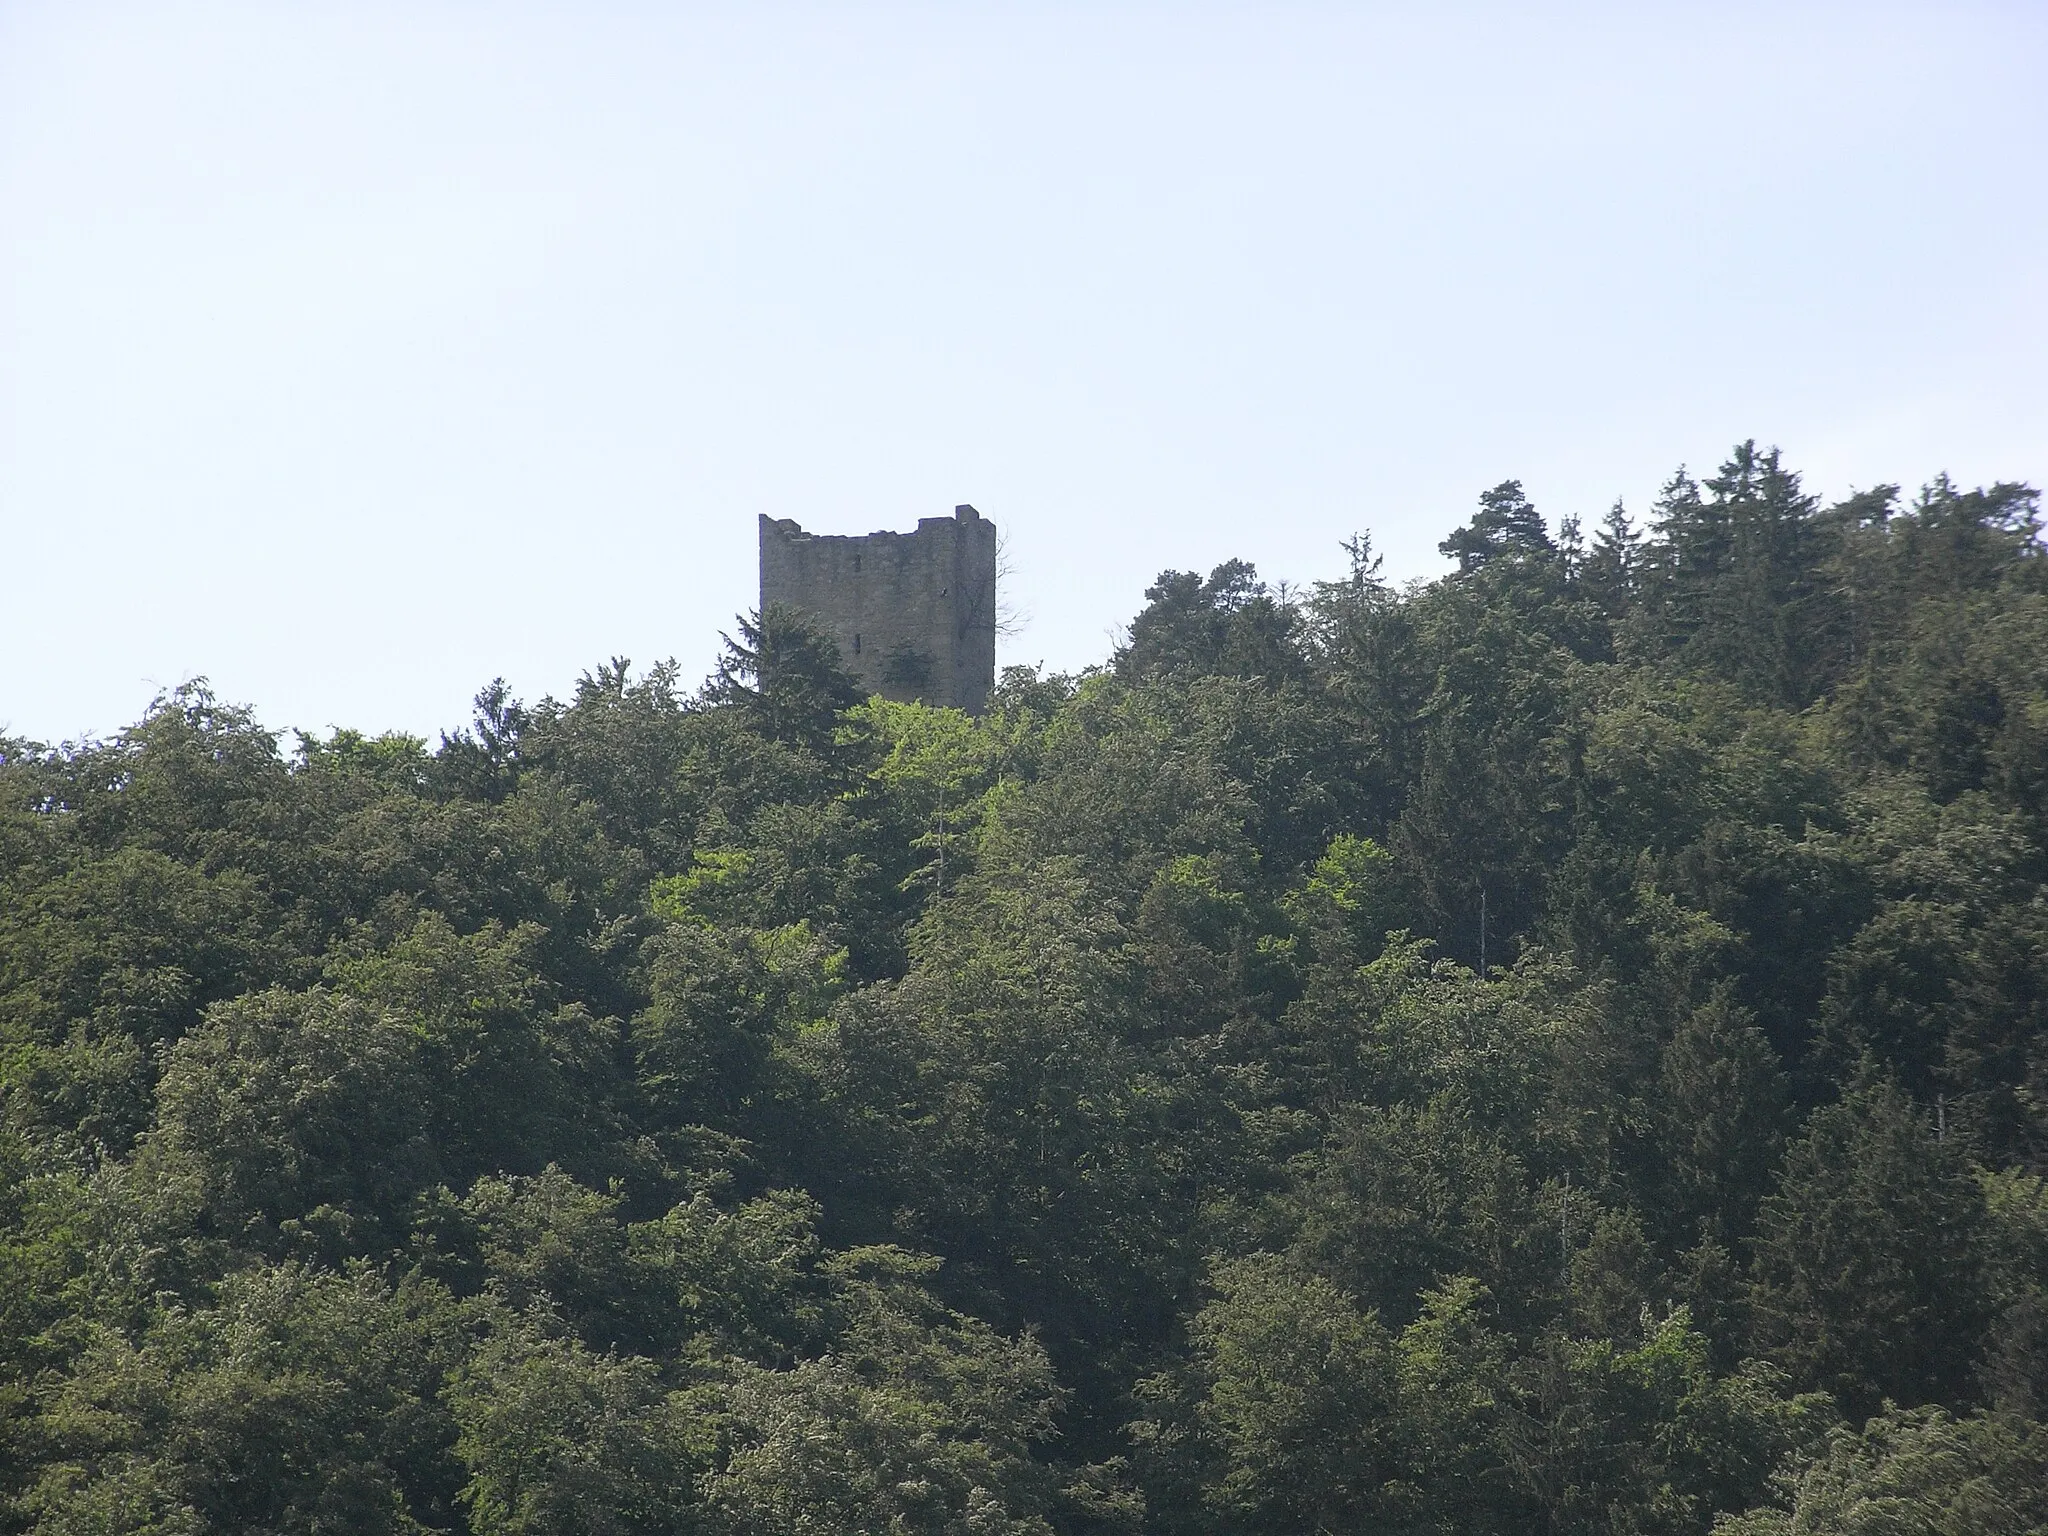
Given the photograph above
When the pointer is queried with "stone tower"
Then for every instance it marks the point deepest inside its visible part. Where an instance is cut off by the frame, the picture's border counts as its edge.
(914, 614)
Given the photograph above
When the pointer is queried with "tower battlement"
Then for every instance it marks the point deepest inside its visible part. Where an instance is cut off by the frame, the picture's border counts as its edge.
(914, 614)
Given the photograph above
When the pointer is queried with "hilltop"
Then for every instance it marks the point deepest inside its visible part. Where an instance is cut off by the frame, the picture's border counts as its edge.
(1562, 1047)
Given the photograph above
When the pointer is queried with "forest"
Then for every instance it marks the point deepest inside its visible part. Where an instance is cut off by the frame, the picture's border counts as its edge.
(1558, 1048)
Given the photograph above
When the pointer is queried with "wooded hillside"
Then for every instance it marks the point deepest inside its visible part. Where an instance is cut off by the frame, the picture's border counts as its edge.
(1561, 1048)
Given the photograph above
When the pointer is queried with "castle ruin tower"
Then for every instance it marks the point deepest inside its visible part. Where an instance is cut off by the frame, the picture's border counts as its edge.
(914, 614)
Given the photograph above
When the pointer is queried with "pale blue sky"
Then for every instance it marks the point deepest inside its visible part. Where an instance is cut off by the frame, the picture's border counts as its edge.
(351, 355)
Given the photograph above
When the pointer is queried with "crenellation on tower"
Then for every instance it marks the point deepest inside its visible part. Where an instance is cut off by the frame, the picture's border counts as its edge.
(913, 614)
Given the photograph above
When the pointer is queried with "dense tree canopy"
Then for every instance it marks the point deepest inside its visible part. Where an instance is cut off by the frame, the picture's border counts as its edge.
(1559, 1048)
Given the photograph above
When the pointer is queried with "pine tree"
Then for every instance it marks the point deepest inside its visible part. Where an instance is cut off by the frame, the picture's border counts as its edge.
(1506, 527)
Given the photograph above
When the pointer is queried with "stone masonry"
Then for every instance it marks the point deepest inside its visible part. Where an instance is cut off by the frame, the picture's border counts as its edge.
(914, 614)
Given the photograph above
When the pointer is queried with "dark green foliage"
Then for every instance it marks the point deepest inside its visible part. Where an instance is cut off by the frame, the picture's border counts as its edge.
(1720, 1099)
(1922, 1471)
(1229, 625)
(783, 679)
(1506, 528)
(300, 1401)
(1870, 1257)
(1562, 1048)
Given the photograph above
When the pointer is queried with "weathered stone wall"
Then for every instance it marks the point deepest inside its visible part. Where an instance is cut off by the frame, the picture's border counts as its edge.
(914, 614)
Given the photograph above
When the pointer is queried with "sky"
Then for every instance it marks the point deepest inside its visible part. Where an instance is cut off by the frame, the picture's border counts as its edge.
(353, 355)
